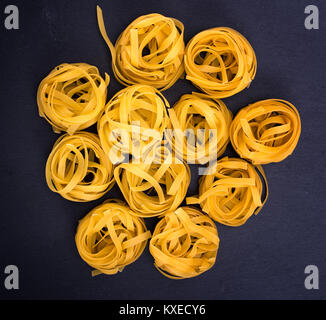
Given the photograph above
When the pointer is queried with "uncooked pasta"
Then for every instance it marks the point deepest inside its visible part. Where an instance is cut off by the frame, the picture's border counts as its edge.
(220, 62)
(78, 169)
(200, 128)
(232, 191)
(110, 237)
(153, 187)
(266, 131)
(72, 96)
(149, 51)
(133, 121)
(184, 243)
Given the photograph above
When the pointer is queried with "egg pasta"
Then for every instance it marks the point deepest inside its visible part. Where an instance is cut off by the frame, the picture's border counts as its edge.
(149, 51)
(72, 96)
(78, 169)
(184, 243)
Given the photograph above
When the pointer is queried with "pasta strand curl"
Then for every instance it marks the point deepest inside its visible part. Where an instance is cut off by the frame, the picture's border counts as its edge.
(154, 186)
(232, 191)
(133, 121)
(184, 243)
(200, 128)
(78, 169)
(149, 51)
(72, 96)
(266, 131)
(220, 62)
(110, 237)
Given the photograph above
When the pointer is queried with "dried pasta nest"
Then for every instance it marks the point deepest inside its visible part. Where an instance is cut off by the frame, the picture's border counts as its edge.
(200, 128)
(78, 169)
(184, 243)
(154, 185)
(72, 96)
(232, 191)
(133, 121)
(266, 131)
(220, 62)
(110, 237)
(149, 51)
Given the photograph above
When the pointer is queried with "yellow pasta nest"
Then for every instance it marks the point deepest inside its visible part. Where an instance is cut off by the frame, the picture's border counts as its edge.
(149, 51)
(184, 243)
(110, 237)
(200, 128)
(72, 96)
(220, 62)
(266, 131)
(78, 169)
(152, 187)
(232, 191)
(133, 121)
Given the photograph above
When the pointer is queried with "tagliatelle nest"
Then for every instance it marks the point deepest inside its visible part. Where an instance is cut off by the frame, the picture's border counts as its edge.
(152, 187)
(110, 237)
(200, 128)
(220, 62)
(133, 121)
(72, 96)
(232, 191)
(184, 243)
(149, 51)
(78, 169)
(266, 131)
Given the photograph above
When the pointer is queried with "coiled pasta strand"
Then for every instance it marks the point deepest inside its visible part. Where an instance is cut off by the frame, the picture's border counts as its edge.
(110, 237)
(200, 128)
(220, 62)
(72, 96)
(133, 121)
(154, 186)
(149, 51)
(184, 243)
(78, 169)
(232, 191)
(266, 131)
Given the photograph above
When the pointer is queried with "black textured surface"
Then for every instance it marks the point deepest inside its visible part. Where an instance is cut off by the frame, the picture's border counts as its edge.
(263, 259)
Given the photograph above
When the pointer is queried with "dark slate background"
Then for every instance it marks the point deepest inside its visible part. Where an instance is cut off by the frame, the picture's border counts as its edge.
(265, 258)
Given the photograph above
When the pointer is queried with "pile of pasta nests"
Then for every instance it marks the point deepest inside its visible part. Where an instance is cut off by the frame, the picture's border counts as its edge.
(138, 123)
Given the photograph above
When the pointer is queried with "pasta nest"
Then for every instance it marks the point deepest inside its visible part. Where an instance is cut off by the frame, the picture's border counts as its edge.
(266, 131)
(157, 184)
(149, 51)
(232, 191)
(110, 237)
(78, 169)
(184, 243)
(200, 128)
(220, 62)
(133, 121)
(72, 96)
